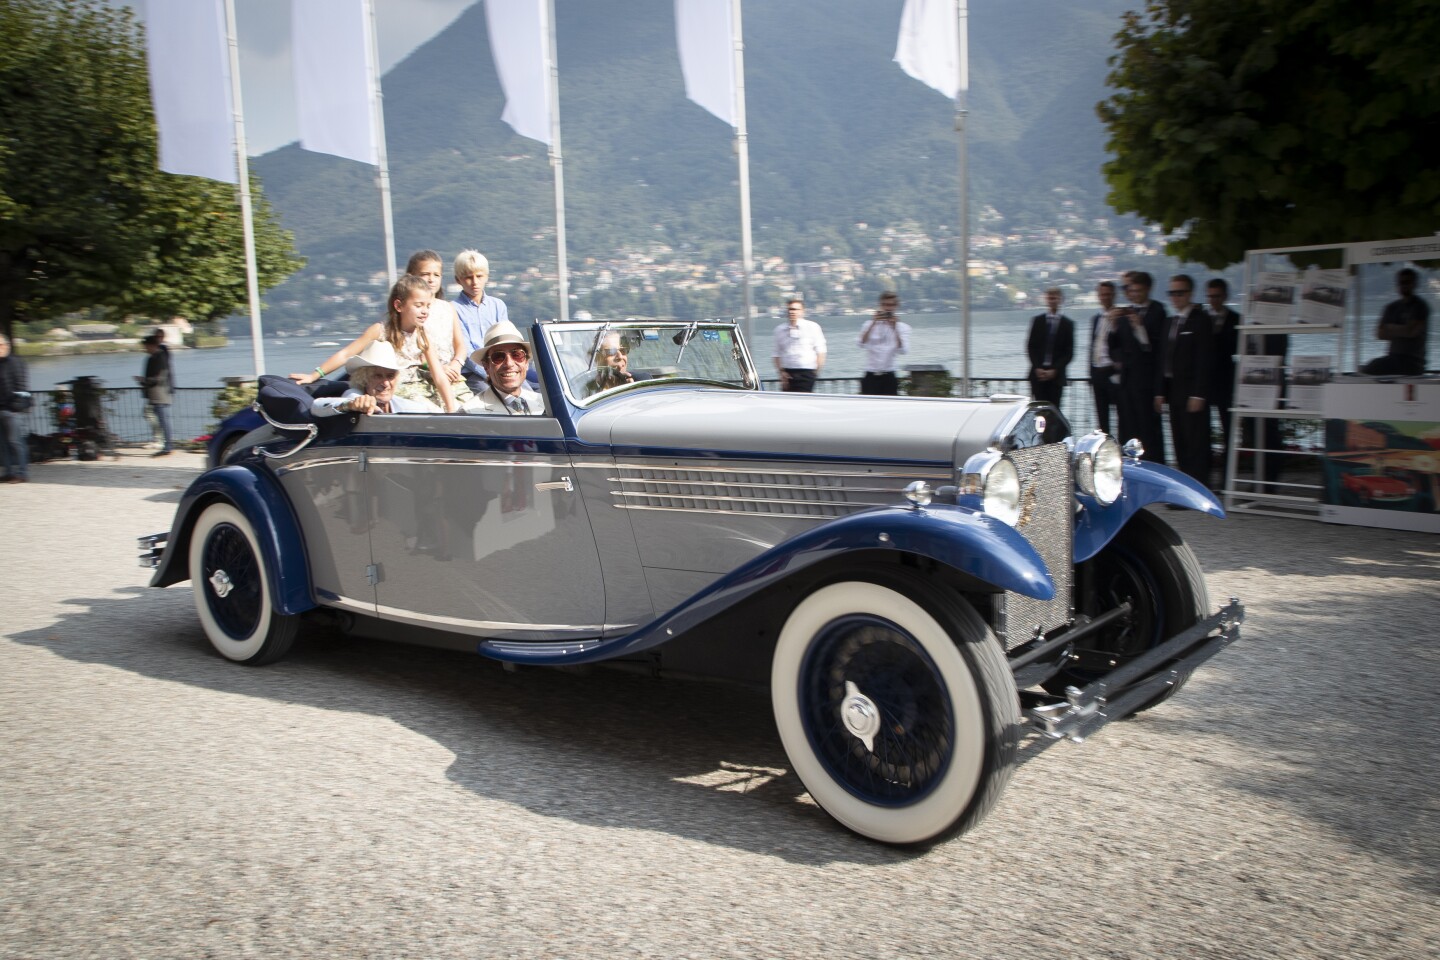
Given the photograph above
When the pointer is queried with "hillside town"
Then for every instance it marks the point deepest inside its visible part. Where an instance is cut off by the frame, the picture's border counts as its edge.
(1009, 265)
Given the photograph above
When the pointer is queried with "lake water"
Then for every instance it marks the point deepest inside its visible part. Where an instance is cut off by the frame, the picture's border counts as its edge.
(997, 342)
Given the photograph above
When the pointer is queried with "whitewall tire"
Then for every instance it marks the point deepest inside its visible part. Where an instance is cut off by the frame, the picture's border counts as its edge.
(231, 587)
(896, 708)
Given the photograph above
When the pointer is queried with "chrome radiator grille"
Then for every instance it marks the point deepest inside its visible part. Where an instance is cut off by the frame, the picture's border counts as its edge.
(1047, 520)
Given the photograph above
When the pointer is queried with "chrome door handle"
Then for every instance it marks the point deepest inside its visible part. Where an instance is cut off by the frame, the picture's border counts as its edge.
(562, 484)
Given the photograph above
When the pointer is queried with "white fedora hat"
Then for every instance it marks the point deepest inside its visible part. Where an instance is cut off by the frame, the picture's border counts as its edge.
(378, 354)
(502, 332)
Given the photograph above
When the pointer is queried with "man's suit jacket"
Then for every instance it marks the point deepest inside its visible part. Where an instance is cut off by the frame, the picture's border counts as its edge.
(1061, 351)
(488, 401)
(1137, 358)
(1192, 354)
(1227, 344)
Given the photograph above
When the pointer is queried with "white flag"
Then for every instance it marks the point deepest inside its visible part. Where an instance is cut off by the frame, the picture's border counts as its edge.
(335, 77)
(520, 47)
(189, 63)
(929, 46)
(707, 54)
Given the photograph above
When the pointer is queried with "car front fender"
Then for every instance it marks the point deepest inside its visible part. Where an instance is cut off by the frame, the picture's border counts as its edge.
(1144, 483)
(970, 542)
(262, 502)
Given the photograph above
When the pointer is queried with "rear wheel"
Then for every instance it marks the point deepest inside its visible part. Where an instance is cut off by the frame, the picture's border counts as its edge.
(896, 708)
(1151, 566)
(232, 589)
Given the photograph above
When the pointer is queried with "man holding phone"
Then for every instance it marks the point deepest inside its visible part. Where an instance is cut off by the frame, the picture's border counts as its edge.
(883, 337)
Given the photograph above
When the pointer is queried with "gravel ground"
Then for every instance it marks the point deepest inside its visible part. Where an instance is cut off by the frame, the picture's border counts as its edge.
(361, 799)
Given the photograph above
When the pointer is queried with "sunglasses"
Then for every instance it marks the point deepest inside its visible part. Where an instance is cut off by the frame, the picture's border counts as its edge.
(1178, 293)
(518, 354)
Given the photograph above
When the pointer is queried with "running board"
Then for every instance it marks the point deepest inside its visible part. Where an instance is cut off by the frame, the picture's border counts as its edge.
(1118, 694)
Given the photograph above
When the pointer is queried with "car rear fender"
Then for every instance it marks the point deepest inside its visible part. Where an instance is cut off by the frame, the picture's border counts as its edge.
(1145, 483)
(260, 499)
(987, 551)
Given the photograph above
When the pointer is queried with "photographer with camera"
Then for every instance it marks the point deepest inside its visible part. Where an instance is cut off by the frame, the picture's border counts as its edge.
(15, 403)
(882, 337)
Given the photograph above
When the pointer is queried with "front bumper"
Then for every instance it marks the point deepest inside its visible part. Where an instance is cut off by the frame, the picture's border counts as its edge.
(152, 548)
(1125, 689)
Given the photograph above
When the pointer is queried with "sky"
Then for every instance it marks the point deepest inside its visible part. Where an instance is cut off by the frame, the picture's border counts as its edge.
(266, 82)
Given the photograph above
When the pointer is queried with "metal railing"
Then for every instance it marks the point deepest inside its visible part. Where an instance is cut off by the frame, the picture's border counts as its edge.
(1076, 403)
(127, 416)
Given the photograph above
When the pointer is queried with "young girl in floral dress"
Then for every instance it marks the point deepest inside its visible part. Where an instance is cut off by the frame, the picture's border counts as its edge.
(442, 327)
(407, 308)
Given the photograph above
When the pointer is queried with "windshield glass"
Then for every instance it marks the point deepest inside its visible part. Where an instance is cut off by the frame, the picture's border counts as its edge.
(599, 357)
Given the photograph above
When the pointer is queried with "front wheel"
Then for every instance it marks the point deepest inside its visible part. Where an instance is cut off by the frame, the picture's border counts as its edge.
(1150, 565)
(232, 589)
(896, 708)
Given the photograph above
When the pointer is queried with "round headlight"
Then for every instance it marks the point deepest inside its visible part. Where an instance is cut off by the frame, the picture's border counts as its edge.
(1097, 461)
(1002, 491)
(990, 482)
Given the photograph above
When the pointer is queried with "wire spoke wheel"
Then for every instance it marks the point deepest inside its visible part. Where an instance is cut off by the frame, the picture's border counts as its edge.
(230, 583)
(896, 707)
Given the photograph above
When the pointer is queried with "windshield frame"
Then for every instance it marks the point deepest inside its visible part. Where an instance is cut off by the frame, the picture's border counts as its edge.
(562, 337)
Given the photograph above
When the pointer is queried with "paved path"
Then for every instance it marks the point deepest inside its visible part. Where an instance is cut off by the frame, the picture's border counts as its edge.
(369, 800)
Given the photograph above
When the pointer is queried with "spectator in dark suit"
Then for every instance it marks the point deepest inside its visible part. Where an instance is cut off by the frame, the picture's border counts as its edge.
(1133, 348)
(1104, 378)
(1182, 379)
(1051, 346)
(1226, 329)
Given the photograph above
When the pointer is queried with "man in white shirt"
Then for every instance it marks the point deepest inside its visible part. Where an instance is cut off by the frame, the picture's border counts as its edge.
(373, 373)
(882, 337)
(799, 350)
(506, 360)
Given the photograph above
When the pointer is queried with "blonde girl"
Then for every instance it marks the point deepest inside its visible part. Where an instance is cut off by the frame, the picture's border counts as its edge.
(407, 308)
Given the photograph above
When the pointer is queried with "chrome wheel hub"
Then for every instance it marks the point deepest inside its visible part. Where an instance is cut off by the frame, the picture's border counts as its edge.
(221, 583)
(860, 715)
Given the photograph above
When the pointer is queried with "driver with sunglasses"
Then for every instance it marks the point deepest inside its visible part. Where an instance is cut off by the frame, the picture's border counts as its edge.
(505, 358)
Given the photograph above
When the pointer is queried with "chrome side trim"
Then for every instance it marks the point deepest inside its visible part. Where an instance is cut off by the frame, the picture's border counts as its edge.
(346, 603)
(748, 513)
(469, 462)
(413, 616)
(855, 504)
(757, 486)
(425, 461)
(789, 470)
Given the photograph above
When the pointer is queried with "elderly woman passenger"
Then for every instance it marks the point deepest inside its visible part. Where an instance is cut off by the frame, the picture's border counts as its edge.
(373, 375)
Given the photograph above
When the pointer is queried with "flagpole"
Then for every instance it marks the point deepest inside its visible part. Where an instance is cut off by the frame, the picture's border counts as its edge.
(247, 222)
(557, 164)
(742, 154)
(382, 161)
(962, 23)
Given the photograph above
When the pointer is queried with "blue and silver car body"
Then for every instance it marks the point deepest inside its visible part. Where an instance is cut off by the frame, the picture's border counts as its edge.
(685, 519)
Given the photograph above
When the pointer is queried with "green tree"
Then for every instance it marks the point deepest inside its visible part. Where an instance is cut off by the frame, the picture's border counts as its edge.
(1275, 123)
(86, 217)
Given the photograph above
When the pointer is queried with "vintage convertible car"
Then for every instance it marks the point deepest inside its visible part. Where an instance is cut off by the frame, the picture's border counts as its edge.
(926, 585)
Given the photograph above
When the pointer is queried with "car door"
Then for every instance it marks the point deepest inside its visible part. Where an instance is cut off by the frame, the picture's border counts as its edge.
(330, 494)
(480, 528)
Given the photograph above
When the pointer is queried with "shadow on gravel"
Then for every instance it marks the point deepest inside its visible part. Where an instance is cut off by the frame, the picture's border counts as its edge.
(609, 748)
(1329, 697)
